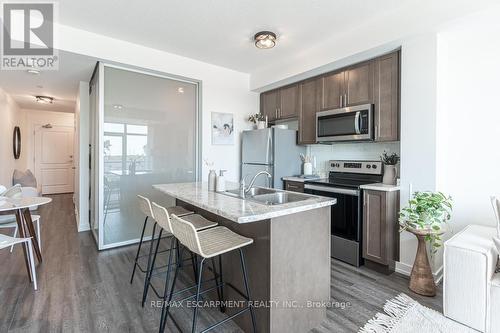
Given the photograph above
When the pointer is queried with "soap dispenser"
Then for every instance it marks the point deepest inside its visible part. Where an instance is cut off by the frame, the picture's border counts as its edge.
(220, 184)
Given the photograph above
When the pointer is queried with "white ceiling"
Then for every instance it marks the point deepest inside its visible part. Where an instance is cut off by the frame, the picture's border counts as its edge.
(220, 31)
(61, 84)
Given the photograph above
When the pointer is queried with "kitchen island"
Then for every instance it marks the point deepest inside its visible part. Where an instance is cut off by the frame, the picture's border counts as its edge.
(288, 263)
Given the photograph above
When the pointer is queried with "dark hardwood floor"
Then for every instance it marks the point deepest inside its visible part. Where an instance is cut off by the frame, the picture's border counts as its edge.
(84, 290)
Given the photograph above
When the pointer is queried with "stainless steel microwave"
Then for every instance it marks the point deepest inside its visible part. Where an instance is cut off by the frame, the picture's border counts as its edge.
(346, 124)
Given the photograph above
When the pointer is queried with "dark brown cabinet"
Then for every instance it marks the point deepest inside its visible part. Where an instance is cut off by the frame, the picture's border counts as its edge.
(281, 103)
(376, 82)
(269, 103)
(352, 86)
(386, 97)
(309, 97)
(359, 84)
(332, 91)
(380, 228)
(289, 102)
(294, 186)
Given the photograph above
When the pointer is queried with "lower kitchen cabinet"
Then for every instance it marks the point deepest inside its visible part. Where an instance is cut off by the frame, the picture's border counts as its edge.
(294, 186)
(380, 229)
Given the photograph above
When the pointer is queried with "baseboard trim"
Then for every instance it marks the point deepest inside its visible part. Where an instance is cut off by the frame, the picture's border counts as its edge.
(405, 269)
(80, 227)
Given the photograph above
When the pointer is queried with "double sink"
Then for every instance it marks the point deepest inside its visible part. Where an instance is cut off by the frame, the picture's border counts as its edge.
(268, 196)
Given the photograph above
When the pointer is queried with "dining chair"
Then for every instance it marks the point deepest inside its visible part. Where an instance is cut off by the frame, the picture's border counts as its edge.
(7, 241)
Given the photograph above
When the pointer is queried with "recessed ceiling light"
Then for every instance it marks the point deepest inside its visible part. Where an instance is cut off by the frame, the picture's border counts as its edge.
(117, 106)
(44, 99)
(180, 90)
(265, 39)
(33, 71)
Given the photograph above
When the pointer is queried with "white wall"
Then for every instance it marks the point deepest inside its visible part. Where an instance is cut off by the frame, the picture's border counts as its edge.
(469, 116)
(223, 90)
(11, 115)
(81, 161)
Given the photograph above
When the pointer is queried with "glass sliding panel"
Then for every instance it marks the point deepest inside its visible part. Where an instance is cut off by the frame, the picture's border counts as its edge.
(93, 158)
(149, 137)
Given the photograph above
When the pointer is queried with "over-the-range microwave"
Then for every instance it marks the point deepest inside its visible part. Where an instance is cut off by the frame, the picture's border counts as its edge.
(346, 124)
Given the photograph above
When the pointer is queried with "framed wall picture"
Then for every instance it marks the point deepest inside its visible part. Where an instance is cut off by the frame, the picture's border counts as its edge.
(222, 128)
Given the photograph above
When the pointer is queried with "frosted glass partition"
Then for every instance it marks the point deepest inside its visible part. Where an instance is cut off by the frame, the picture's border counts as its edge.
(148, 136)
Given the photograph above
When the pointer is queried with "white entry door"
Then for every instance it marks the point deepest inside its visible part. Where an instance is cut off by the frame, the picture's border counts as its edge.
(54, 159)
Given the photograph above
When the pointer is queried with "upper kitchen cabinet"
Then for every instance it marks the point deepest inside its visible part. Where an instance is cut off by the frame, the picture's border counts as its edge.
(289, 102)
(352, 86)
(281, 103)
(309, 105)
(332, 91)
(269, 103)
(386, 97)
(358, 81)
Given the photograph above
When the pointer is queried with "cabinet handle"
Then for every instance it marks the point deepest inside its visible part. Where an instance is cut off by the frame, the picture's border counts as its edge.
(276, 113)
(281, 113)
(345, 99)
(376, 132)
(340, 101)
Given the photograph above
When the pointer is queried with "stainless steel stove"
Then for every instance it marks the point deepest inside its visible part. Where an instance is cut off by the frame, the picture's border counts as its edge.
(343, 183)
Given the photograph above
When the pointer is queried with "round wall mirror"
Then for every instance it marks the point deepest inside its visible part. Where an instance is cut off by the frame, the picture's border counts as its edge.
(16, 142)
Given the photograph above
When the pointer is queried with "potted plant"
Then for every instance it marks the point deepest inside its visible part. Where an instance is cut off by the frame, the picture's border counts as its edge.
(390, 172)
(259, 120)
(426, 216)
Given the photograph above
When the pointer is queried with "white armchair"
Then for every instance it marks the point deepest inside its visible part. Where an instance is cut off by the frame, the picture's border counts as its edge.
(471, 291)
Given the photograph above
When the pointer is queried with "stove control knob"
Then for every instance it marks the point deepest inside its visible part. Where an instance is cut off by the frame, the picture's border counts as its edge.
(368, 166)
(374, 166)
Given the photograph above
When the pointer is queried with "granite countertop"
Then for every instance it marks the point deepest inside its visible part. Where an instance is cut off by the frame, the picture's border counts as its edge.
(237, 209)
(380, 187)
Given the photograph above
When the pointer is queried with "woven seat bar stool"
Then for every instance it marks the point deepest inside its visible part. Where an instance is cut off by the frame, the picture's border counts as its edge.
(145, 207)
(162, 218)
(209, 244)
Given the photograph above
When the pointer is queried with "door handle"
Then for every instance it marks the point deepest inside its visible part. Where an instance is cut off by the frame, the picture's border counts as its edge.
(73, 168)
(356, 123)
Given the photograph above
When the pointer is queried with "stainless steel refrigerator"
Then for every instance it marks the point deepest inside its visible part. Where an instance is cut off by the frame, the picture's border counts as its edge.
(273, 150)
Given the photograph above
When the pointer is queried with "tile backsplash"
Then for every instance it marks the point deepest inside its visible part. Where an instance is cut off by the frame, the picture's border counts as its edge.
(349, 151)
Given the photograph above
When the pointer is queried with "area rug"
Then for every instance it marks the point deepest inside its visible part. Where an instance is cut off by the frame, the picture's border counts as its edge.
(405, 315)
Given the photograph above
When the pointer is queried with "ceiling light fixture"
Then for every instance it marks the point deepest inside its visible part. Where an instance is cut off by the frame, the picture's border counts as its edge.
(265, 39)
(33, 71)
(44, 99)
(180, 90)
(117, 106)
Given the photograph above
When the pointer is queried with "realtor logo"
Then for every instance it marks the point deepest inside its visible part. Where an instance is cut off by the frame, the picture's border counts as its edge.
(28, 36)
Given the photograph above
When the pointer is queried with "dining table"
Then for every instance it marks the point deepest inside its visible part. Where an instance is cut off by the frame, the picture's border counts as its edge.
(20, 207)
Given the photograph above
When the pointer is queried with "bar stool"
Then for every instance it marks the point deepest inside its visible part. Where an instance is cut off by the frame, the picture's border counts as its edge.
(145, 207)
(209, 244)
(162, 216)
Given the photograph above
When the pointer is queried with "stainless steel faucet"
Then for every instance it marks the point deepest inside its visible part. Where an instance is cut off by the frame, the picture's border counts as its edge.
(244, 190)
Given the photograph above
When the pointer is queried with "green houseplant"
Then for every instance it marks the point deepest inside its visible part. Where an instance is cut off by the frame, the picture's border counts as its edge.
(427, 212)
(425, 216)
(258, 119)
(390, 172)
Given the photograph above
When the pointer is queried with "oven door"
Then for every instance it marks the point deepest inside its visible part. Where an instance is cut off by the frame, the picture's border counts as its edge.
(345, 215)
(346, 124)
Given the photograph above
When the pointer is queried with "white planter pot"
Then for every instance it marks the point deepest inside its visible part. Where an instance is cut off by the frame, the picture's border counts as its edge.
(390, 175)
(308, 169)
